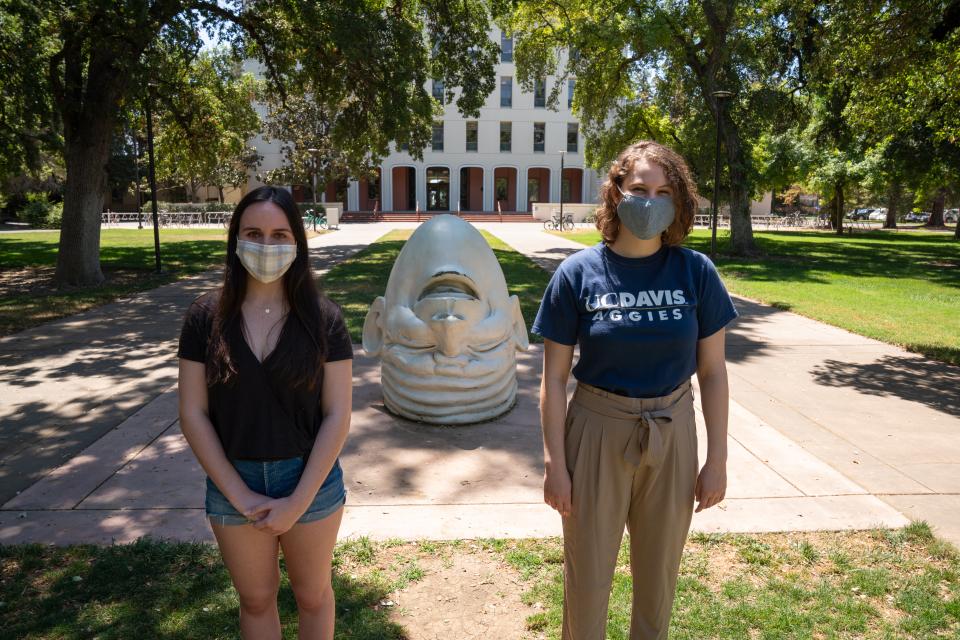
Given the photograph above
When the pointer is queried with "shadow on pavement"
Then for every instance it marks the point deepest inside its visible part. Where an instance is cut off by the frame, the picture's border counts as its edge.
(911, 378)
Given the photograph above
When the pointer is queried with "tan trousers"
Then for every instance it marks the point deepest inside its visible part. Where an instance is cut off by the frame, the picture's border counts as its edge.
(633, 462)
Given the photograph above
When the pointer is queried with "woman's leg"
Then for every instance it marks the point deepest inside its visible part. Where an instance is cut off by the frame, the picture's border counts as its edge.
(308, 550)
(592, 533)
(251, 557)
(659, 519)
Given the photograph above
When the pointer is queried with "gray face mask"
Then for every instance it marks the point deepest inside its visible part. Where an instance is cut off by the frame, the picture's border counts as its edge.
(646, 218)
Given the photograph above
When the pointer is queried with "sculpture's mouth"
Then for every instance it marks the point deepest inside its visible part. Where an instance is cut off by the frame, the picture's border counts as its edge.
(450, 285)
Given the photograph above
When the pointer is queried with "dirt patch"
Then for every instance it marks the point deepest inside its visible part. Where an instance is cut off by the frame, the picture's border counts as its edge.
(468, 595)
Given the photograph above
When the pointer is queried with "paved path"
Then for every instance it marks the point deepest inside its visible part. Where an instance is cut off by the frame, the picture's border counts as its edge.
(66, 383)
(887, 419)
(793, 444)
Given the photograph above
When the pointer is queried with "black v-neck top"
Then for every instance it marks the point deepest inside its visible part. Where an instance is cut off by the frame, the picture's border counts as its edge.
(256, 416)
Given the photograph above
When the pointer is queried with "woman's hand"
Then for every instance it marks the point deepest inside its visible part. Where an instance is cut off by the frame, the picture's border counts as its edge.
(557, 491)
(248, 504)
(278, 515)
(711, 485)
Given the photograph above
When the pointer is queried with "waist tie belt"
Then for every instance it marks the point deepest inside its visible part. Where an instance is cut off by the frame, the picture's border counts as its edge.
(646, 423)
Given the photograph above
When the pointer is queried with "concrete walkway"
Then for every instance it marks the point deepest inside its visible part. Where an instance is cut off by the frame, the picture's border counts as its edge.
(64, 384)
(793, 440)
(885, 418)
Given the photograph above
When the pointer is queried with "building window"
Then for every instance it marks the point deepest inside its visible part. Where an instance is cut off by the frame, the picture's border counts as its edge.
(540, 93)
(506, 48)
(438, 90)
(472, 135)
(539, 136)
(437, 136)
(573, 134)
(506, 136)
(571, 84)
(506, 91)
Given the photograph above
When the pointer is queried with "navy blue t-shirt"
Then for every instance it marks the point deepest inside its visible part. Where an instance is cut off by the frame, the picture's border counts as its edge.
(637, 320)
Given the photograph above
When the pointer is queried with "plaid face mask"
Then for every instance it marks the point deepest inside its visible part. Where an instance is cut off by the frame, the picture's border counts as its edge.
(266, 262)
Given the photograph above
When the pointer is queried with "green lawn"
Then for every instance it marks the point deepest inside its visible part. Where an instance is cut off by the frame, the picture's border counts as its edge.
(357, 281)
(874, 585)
(127, 260)
(903, 289)
(27, 260)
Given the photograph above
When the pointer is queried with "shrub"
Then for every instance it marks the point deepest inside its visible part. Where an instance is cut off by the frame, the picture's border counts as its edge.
(41, 213)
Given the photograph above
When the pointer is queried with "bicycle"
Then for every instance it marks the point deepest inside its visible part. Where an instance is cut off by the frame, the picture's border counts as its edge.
(316, 218)
(555, 223)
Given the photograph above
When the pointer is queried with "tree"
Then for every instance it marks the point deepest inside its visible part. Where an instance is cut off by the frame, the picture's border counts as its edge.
(901, 59)
(375, 55)
(203, 128)
(650, 68)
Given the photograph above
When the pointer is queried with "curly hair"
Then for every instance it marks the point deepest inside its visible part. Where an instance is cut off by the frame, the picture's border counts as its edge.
(678, 176)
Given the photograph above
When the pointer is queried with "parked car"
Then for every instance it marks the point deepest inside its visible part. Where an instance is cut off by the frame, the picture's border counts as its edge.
(878, 214)
(917, 216)
(951, 215)
(859, 214)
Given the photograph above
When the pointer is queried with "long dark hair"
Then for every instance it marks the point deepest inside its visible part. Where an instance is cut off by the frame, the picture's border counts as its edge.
(294, 363)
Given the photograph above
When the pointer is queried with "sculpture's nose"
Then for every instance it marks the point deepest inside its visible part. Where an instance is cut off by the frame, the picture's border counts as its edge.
(450, 330)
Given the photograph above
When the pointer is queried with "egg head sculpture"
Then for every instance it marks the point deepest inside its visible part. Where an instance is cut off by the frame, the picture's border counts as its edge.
(446, 330)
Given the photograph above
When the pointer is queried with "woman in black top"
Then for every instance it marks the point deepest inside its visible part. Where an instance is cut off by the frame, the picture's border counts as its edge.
(265, 398)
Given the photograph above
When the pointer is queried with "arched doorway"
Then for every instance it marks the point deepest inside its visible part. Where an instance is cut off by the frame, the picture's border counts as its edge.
(538, 186)
(471, 189)
(404, 188)
(369, 191)
(335, 191)
(572, 185)
(505, 188)
(438, 189)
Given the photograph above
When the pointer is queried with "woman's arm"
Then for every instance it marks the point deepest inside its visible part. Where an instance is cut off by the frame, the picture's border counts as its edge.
(557, 359)
(715, 398)
(337, 402)
(202, 438)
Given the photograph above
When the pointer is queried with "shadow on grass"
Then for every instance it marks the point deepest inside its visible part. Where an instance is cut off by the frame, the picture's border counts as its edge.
(153, 589)
(797, 256)
(916, 379)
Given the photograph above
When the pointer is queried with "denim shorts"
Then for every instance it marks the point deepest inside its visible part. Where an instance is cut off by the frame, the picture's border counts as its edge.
(276, 479)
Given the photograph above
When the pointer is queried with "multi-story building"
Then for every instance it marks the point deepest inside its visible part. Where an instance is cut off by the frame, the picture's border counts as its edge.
(504, 160)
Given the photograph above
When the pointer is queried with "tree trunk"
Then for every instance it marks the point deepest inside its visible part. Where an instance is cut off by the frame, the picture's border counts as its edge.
(220, 192)
(893, 204)
(936, 215)
(78, 259)
(838, 209)
(88, 130)
(741, 228)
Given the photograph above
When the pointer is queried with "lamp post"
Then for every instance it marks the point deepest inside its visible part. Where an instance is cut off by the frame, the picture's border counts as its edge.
(720, 96)
(562, 155)
(313, 153)
(136, 184)
(153, 177)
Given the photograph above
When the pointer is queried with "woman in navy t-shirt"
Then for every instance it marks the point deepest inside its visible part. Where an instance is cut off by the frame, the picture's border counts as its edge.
(647, 314)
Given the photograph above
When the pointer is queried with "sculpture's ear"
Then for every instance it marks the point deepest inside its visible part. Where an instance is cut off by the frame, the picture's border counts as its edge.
(373, 327)
(520, 337)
